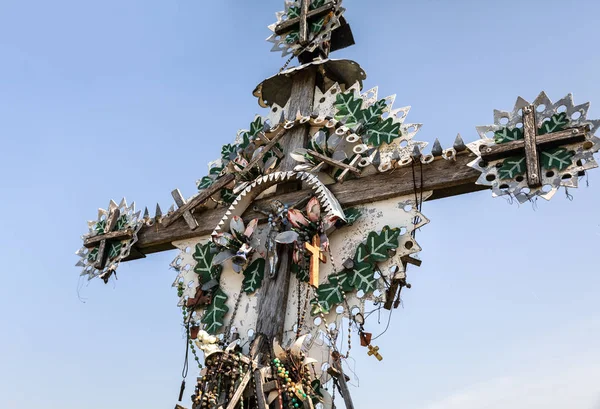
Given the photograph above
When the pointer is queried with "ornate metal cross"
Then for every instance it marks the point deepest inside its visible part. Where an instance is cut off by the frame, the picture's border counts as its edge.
(303, 20)
(108, 237)
(316, 257)
(530, 144)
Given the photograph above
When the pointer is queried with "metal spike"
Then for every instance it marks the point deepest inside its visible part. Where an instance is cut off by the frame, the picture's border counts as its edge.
(171, 209)
(146, 213)
(459, 144)
(436, 150)
(416, 153)
(282, 118)
(377, 159)
(158, 214)
(266, 126)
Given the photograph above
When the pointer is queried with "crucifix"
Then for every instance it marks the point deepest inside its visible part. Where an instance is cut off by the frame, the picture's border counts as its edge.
(316, 258)
(108, 241)
(383, 190)
(532, 143)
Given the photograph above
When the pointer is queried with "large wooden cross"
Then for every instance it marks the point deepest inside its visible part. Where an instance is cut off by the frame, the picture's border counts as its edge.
(530, 144)
(107, 238)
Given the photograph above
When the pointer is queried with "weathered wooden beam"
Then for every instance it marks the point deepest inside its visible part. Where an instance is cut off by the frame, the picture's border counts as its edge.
(345, 391)
(199, 199)
(264, 151)
(444, 177)
(333, 162)
(113, 235)
(531, 154)
(565, 137)
(290, 24)
(180, 201)
(303, 34)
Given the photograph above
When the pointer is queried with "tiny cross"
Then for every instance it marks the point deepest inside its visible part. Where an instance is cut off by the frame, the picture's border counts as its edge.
(302, 21)
(316, 256)
(374, 352)
(531, 142)
(107, 238)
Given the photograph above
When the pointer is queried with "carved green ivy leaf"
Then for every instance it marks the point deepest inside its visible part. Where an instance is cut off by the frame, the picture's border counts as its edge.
(121, 223)
(372, 115)
(205, 183)
(343, 280)
(227, 195)
(204, 268)
(383, 132)
(100, 227)
(362, 277)
(214, 316)
(93, 255)
(114, 250)
(505, 135)
(315, 4)
(293, 12)
(557, 122)
(292, 37)
(302, 273)
(317, 25)
(228, 152)
(329, 296)
(511, 167)
(558, 158)
(362, 253)
(348, 107)
(380, 244)
(352, 215)
(253, 276)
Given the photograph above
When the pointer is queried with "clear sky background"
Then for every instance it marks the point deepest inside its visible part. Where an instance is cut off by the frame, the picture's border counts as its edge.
(101, 100)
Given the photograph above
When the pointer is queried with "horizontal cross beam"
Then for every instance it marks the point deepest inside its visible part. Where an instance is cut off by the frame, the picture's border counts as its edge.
(445, 177)
(115, 235)
(333, 162)
(291, 24)
(505, 150)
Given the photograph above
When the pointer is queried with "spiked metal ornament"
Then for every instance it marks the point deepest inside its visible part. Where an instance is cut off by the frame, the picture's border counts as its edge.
(562, 139)
(286, 37)
(109, 240)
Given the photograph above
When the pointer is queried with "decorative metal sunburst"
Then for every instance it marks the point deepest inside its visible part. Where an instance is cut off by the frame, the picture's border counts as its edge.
(561, 148)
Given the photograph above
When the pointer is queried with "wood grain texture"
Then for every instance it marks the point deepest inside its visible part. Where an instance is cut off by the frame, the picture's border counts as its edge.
(114, 235)
(344, 390)
(531, 154)
(446, 178)
(180, 202)
(304, 22)
(336, 163)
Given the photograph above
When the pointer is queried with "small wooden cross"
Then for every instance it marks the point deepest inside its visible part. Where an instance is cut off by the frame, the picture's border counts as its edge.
(316, 257)
(303, 20)
(337, 164)
(108, 237)
(531, 142)
(374, 352)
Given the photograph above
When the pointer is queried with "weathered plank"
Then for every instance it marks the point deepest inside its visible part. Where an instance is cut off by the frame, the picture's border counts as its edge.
(445, 178)
(531, 154)
(180, 202)
(335, 163)
(113, 235)
(345, 391)
(304, 22)
(291, 24)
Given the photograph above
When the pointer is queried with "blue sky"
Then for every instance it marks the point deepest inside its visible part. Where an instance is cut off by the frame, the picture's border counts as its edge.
(101, 100)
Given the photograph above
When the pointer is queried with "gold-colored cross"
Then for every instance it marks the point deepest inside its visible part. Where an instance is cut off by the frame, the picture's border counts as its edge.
(374, 352)
(316, 257)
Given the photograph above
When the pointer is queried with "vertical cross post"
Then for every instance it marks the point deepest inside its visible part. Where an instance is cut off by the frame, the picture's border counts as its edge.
(531, 153)
(316, 257)
(111, 222)
(304, 22)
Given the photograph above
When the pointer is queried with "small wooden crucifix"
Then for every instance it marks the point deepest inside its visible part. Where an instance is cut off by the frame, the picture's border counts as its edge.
(107, 238)
(305, 17)
(531, 142)
(374, 351)
(316, 257)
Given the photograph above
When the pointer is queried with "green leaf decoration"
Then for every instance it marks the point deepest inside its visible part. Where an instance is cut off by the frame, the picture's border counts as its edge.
(511, 167)
(505, 135)
(352, 215)
(362, 253)
(114, 250)
(227, 195)
(227, 151)
(379, 244)
(214, 316)
(121, 223)
(215, 170)
(93, 255)
(372, 115)
(253, 276)
(343, 280)
(204, 267)
(256, 127)
(317, 25)
(558, 158)
(205, 183)
(293, 12)
(302, 273)
(557, 122)
(348, 107)
(100, 227)
(329, 296)
(362, 277)
(383, 132)
(315, 4)
(292, 37)
(245, 140)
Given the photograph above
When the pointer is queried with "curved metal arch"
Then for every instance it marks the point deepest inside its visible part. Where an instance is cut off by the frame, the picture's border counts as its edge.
(328, 201)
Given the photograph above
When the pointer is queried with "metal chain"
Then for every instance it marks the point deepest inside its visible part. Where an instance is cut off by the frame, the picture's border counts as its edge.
(235, 309)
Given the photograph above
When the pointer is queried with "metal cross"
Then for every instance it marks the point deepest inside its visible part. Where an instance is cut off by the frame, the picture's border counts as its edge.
(303, 20)
(107, 238)
(530, 144)
(374, 352)
(316, 257)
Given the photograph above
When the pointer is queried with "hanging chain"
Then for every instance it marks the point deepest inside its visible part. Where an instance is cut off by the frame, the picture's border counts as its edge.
(235, 309)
